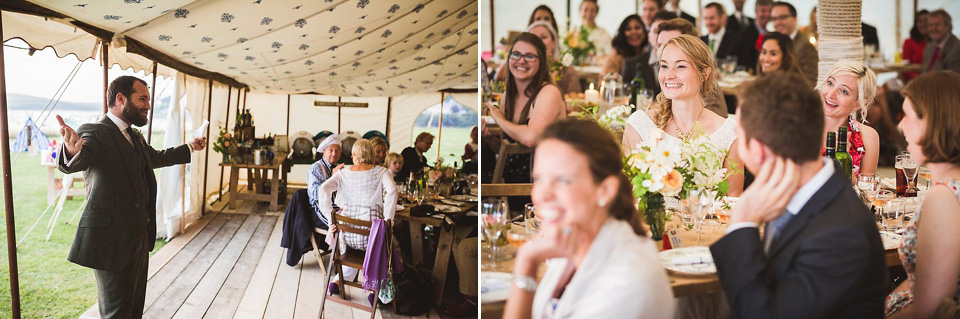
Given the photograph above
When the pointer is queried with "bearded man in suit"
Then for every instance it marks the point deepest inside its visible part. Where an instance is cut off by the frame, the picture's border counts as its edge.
(118, 227)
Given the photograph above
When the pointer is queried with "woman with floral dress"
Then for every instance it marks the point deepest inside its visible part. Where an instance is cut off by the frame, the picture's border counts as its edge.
(850, 86)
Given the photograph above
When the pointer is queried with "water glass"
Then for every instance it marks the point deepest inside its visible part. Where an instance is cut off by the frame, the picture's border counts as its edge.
(869, 185)
(925, 173)
(883, 197)
(494, 217)
(530, 219)
(705, 198)
(892, 215)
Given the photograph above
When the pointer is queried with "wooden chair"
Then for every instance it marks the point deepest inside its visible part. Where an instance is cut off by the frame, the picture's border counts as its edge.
(316, 248)
(506, 149)
(353, 258)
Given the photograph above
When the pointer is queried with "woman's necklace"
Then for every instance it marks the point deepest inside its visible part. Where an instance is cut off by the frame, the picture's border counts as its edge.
(684, 136)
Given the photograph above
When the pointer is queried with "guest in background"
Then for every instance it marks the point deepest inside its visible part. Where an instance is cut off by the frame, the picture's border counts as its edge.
(466, 256)
(591, 231)
(543, 13)
(470, 151)
(380, 149)
(784, 17)
(820, 255)
(687, 74)
(599, 36)
(748, 51)
(850, 87)
(648, 62)
(394, 162)
(529, 104)
(811, 29)
(870, 36)
(630, 41)
(648, 9)
(722, 42)
(943, 50)
(322, 170)
(674, 6)
(738, 20)
(365, 192)
(932, 261)
(713, 98)
(776, 54)
(413, 159)
(914, 45)
(566, 78)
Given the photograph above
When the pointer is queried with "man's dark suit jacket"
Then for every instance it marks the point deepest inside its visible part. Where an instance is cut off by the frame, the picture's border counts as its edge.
(747, 53)
(827, 262)
(734, 25)
(646, 72)
(411, 162)
(870, 35)
(688, 17)
(122, 193)
(728, 45)
(949, 55)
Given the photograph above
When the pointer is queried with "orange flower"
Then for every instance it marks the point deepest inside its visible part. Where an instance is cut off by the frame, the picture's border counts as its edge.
(672, 183)
(227, 144)
(226, 135)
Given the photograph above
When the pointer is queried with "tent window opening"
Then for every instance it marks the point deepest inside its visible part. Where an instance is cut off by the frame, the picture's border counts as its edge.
(451, 134)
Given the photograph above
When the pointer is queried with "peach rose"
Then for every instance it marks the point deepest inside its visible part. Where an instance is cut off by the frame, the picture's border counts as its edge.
(672, 183)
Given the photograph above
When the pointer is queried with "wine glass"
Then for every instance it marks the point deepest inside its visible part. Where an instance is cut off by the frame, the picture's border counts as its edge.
(530, 220)
(925, 173)
(494, 219)
(869, 185)
(910, 172)
(705, 199)
(691, 206)
(882, 199)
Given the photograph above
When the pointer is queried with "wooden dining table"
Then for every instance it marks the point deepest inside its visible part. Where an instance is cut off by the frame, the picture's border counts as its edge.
(446, 223)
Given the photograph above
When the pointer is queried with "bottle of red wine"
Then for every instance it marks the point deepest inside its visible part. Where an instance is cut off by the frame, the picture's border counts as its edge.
(831, 145)
(844, 158)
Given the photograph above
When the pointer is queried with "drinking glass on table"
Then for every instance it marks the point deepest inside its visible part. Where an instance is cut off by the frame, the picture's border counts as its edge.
(883, 197)
(925, 173)
(494, 217)
(705, 204)
(869, 186)
(517, 237)
(892, 215)
(910, 173)
(530, 220)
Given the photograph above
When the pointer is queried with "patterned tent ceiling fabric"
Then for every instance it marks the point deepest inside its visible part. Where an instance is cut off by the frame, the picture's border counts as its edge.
(332, 47)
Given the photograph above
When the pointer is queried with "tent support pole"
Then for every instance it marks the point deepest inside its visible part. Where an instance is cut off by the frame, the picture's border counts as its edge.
(288, 115)
(8, 192)
(106, 66)
(493, 37)
(226, 124)
(153, 101)
(440, 127)
(244, 99)
(206, 150)
(339, 108)
(389, 115)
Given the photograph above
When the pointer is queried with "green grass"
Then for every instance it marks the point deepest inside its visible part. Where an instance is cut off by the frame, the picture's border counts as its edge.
(453, 140)
(50, 286)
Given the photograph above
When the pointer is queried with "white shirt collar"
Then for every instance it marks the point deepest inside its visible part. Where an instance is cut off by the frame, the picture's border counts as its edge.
(944, 42)
(719, 35)
(803, 195)
(793, 36)
(116, 120)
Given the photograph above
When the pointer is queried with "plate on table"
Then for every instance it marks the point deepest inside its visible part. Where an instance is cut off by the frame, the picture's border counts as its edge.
(890, 240)
(464, 198)
(452, 202)
(494, 286)
(446, 208)
(688, 261)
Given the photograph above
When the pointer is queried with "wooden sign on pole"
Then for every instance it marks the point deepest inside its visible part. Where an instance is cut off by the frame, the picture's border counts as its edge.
(341, 104)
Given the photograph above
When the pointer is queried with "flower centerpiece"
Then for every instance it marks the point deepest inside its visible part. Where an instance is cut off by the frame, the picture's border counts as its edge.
(440, 176)
(557, 66)
(224, 143)
(661, 168)
(577, 41)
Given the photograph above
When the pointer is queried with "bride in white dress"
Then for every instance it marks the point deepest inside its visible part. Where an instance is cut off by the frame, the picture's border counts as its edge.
(685, 73)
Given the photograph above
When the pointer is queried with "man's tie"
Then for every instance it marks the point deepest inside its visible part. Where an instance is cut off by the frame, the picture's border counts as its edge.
(712, 42)
(934, 58)
(774, 227)
(134, 138)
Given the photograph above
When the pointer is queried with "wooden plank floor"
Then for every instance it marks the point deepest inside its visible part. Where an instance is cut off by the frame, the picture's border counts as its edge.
(229, 264)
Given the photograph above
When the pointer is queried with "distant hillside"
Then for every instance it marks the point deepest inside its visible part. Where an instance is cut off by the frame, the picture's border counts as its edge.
(34, 103)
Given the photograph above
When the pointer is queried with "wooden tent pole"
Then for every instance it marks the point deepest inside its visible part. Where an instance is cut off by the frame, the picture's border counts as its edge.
(440, 127)
(339, 100)
(226, 124)
(153, 104)
(8, 192)
(288, 115)
(389, 115)
(106, 66)
(206, 150)
(493, 36)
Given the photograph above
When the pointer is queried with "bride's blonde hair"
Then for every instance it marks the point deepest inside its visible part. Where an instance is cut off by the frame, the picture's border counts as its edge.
(699, 55)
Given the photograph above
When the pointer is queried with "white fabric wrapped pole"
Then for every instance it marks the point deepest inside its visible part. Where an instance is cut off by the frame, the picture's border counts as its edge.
(840, 34)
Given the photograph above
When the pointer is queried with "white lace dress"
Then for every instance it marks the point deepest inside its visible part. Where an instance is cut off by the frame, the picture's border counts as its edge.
(721, 139)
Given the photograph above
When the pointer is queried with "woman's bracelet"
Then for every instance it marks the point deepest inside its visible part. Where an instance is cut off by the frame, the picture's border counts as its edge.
(526, 283)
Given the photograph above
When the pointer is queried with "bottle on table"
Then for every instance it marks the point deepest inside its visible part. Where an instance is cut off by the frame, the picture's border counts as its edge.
(831, 145)
(637, 86)
(841, 155)
(901, 178)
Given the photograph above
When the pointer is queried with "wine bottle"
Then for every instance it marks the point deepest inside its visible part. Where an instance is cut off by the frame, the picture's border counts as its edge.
(831, 145)
(841, 155)
(637, 86)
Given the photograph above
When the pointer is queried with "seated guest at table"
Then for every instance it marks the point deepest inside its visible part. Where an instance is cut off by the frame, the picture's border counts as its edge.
(931, 126)
(630, 41)
(529, 104)
(393, 163)
(784, 17)
(566, 78)
(821, 255)
(914, 45)
(322, 170)
(545, 14)
(604, 266)
(413, 159)
(943, 49)
(648, 10)
(466, 254)
(648, 62)
(719, 40)
(598, 35)
(850, 86)
(470, 151)
(776, 54)
(748, 49)
(380, 150)
(668, 30)
(686, 71)
(364, 191)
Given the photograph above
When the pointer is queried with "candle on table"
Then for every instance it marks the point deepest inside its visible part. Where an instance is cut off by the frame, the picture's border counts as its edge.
(591, 95)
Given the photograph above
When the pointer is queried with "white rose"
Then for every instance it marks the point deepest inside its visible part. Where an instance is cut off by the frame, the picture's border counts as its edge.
(567, 59)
